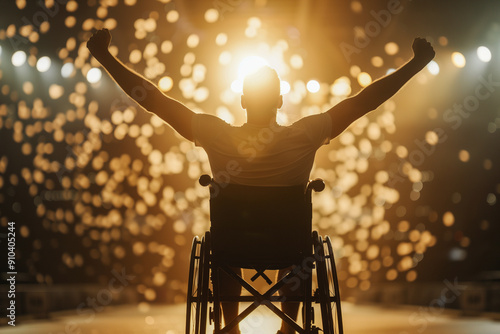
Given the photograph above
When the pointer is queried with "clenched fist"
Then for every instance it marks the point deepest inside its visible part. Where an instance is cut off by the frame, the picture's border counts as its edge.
(99, 42)
(423, 50)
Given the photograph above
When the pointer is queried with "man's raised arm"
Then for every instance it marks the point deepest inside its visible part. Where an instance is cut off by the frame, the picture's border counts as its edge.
(140, 89)
(372, 96)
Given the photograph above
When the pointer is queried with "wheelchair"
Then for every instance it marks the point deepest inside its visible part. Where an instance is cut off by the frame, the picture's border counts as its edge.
(262, 228)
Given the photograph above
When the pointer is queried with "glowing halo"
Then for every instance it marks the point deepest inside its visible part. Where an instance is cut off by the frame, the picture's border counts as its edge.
(247, 66)
(250, 65)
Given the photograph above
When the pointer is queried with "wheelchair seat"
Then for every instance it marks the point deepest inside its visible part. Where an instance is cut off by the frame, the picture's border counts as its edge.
(260, 226)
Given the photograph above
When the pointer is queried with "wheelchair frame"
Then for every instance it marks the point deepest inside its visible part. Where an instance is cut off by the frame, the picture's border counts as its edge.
(205, 268)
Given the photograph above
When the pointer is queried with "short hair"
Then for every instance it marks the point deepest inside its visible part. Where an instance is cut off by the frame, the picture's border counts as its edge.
(263, 83)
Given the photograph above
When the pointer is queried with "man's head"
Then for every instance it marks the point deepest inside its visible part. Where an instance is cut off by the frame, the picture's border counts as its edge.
(261, 94)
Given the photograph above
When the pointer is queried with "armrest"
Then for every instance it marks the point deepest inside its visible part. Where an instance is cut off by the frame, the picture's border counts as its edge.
(205, 180)
(317, 185)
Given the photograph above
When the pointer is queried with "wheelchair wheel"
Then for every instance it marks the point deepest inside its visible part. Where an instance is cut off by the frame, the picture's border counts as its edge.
(205, 279)
(193, 293)
(334, 292)
(323, 295)
(197, 294)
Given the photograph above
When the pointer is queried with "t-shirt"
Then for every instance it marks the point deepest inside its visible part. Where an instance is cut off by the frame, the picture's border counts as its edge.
(261, 155)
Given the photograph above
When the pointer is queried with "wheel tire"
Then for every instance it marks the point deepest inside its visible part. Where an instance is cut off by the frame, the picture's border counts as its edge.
(193, 293)
(204, 281)
(334, 291)
(322, 277)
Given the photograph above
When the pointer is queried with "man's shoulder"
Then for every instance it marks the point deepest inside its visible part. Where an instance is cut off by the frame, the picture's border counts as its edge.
(316, 127)
(207, 128)
(202, 117)
(312, 120)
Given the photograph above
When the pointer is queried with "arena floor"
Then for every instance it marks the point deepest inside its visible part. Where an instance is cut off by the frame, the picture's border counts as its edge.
(169, 319)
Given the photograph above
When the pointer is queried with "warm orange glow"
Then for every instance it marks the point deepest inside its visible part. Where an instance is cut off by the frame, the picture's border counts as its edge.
(247, 66)
(135, 178)
(448, 219)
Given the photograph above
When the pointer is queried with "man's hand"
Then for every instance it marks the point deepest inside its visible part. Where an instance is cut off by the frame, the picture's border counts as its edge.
(423, 51)
(99, 42)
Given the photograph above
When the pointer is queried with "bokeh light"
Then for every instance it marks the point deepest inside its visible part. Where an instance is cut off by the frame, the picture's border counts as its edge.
(313, 86)
(458, 59)
(18, 58)
(433, 67)
(67, 70)
(284, 87)
(364, 79)
(341, 87)
(172, 16)
(221, 39)
(296, 61)
(43, 64)
(391, 48)
(94, 75)
(211, 15)
(448, 219)
(484, 54)
(377, 61)
(464, 155)
(166, 83)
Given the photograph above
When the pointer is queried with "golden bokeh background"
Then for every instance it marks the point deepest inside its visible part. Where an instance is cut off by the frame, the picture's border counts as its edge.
(94, 183)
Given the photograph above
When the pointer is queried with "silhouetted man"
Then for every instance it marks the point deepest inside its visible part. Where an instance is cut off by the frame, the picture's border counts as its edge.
(260, 152)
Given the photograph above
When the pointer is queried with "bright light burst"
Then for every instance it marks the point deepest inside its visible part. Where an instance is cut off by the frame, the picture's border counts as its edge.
(248, 65)
(251, 64)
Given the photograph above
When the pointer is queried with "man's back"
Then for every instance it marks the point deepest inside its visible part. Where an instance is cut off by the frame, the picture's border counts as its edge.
(259, 155)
